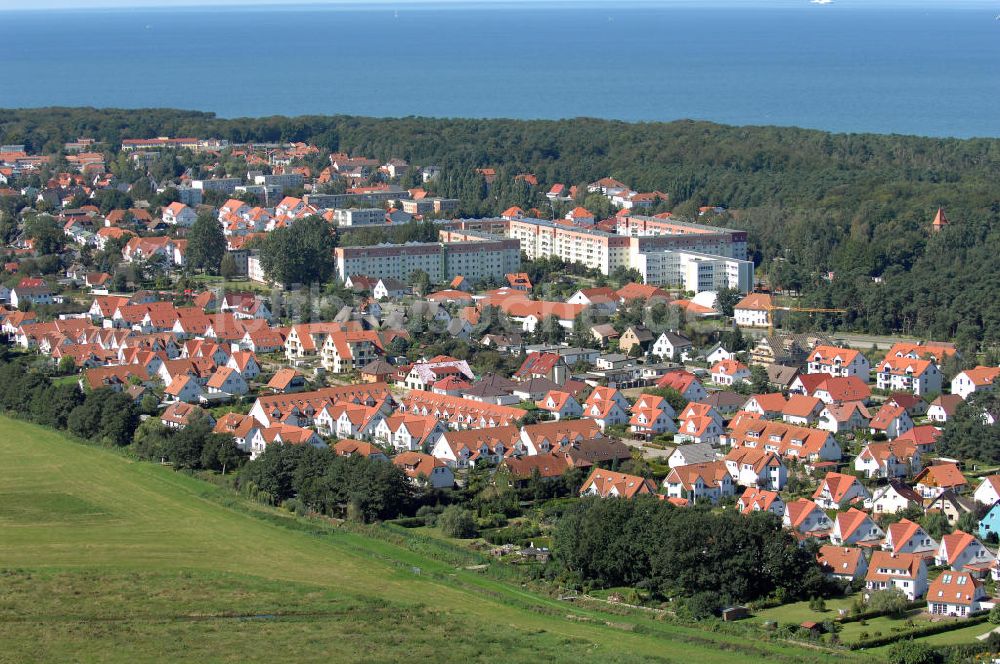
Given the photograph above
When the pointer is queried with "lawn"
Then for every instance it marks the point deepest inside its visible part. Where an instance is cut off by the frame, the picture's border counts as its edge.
(107, 559)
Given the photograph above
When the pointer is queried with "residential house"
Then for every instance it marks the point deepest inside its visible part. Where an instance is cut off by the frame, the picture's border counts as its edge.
(424, 470)
(802, 410)
(699, 482)
(610, 484)
(979, 379)
(843, 417)
(227, 380)
(671, 346)
(635, 336)
(839, 362)
(461, 449)
(787, 440)
(891, 421)
(756, 468)
(906, 572)
(952, 505)
(943, 407)
(806, 518)
(283, 434)
(684, 382)
(837, 490)
(892, 459)
(286, 381)
(902, 373)
(348, 447)
(761, 500)
(907, 536)
(686, 455)
(755, 310)
(894, 497)
(845, 563)
(957, 594)
(730, 372)
(183, 388)
(934, 480)
(560, 405)
(179, 214)
(179, 414)
(960, 551)
(988, 491)
(855, 527)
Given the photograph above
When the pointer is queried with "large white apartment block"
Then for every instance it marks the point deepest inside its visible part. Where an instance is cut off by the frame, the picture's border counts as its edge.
(692, 271)
(692, 256)
(283, 180)
(359, 217)
(225, 185)
(442, 261)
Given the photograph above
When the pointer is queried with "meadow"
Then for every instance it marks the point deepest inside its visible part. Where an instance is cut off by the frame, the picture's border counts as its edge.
(103, 558)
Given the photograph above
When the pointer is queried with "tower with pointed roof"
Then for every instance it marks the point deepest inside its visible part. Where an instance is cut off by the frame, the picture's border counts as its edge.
(940, 221)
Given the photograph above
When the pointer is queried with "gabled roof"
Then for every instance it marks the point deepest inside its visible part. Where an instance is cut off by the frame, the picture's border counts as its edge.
(842, 560)
(838, 485)
(941, 475)
(898, 566)
(609, 483)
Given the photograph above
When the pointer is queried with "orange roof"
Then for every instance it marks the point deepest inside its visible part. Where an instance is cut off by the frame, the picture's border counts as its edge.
(839, 559)
(609, 483)
(941, 475)
(838, 485)
(756, 302)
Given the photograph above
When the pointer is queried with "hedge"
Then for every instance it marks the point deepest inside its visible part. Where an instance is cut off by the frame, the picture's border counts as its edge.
(919, 633)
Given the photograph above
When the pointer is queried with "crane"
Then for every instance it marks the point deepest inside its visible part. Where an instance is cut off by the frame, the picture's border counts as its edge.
(816, 310)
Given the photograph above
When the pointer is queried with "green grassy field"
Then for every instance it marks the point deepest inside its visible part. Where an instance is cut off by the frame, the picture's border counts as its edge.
(107, 559)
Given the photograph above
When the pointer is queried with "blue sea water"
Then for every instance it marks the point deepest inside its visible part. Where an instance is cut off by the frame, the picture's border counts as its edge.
(889, 69)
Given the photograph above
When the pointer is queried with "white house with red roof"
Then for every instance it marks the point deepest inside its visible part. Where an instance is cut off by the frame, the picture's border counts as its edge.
(988, 491)
(684, 382)
(652, 415)
(756, 468)
(755, 310)
(904, 571)
(839, 362)
(970, 381)
(560, 405)
(761, 500)
(424, 470)
(855, 527)
(606, 413)
(894, 497)
(903, 373)
(891, 420)
(907, 536)
(179, 214)
(837, 490)
(846, 563)
(841, 418)
(957, 594)
(730, 372)
(806, 517)
(961, 551)
(934, 480)
(610, 484)
(227, 380)
(886, 460)
(699, 482)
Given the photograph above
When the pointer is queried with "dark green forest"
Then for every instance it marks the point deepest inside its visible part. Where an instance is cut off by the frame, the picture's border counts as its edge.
(842, 218)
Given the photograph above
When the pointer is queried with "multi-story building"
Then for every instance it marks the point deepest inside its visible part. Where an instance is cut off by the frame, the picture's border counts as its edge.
(225, 185)
(359, 216)
(691, 256)
(443, 261)
(283, 180)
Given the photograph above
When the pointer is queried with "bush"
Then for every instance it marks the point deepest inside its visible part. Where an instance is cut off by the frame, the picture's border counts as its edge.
(458, 522)
(516, 534)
